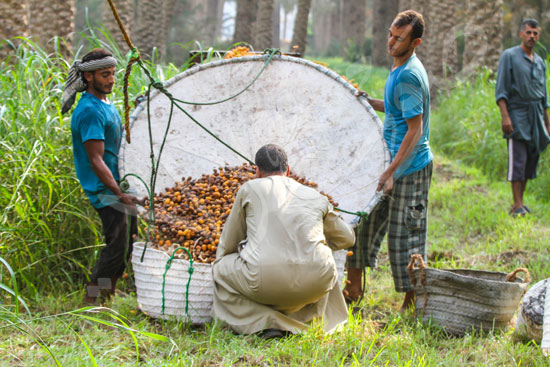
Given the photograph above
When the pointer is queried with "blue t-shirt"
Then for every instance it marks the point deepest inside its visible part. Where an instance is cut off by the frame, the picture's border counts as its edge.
(406, 95)
(94, 119)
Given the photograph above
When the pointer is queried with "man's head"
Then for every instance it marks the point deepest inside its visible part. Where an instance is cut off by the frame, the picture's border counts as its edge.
(405, 33)
(101, 80)
(271, 160)
(529, 33)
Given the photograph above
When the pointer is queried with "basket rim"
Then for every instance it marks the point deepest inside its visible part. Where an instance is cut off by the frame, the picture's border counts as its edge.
(453, 272)
(141, 244)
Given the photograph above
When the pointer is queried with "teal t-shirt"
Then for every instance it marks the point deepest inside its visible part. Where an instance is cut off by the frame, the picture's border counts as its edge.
(406, 95)
(94, 119)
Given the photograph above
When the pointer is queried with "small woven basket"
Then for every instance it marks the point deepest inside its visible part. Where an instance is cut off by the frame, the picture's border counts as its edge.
(149, 279)
(463, 300)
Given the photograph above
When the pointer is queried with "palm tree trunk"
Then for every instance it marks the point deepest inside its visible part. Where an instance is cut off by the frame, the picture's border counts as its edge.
(50, 19)
(299, 37)
(244, 21)
(354, 26)
(153, 21)
(125, 11)
(483, 31)
(384, 13)
(14, 24)
(263, 28)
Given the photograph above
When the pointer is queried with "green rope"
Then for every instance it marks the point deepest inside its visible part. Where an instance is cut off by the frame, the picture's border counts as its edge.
(190, 270)
(271, 53)
(359, 214)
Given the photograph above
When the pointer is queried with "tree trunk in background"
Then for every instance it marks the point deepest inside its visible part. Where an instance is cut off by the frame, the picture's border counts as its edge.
(325, 15)
(212, 19)
(49, 19)
(443, 53)
(299, 36)
(153, 21)
(125, 10)
(244, 21)
(263, 27)
(14, 24)
(277, 24)
(353, 27)
(384, 12)
(483, 34)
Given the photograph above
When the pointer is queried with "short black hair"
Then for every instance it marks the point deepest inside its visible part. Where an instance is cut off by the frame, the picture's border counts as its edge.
(271, 158)
(95, 54)
(414, 18)
(530, 22)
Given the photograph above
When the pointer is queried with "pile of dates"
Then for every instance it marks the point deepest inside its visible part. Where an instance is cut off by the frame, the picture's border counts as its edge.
(192, 213)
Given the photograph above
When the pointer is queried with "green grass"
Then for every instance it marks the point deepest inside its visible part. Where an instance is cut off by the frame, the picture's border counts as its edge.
(49, 239)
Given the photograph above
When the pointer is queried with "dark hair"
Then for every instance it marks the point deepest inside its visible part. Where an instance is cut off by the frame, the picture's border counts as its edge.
(530, 22)
(95, 54)
(414, 18)
(271, 158)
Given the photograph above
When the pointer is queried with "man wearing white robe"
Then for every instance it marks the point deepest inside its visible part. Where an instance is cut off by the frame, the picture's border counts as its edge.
(274, 268)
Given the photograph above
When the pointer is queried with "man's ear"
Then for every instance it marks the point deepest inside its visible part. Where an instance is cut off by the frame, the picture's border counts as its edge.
(417, 42)
(258, 175)
(287, 173)
(88, 75)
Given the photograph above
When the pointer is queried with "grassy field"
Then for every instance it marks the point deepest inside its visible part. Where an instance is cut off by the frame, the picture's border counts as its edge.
(49, 238)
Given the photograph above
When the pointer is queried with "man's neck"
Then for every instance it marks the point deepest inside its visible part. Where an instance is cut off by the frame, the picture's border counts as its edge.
(401, 60)
(96, 93)
(528, 51)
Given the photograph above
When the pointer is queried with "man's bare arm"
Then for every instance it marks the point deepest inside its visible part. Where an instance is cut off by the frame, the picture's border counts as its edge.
(377, 104)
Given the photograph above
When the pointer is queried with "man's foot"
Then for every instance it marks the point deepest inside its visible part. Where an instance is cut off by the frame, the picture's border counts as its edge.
(527, 209)
(518, 212)
(408, 302)
(272, 333)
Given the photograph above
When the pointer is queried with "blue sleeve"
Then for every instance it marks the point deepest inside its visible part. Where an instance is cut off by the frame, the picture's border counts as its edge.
(91, 125)
(409, 92)
(504, 77)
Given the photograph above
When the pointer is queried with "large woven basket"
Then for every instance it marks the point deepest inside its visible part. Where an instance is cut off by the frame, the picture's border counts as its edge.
(149, 285)
(462, 300)
(149, 279)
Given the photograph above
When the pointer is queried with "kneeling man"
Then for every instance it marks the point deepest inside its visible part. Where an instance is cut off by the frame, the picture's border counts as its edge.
(274, 268)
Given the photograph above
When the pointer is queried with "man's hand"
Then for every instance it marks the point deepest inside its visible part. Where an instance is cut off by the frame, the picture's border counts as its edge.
(385, 183)
(507, 126)
(360, 93)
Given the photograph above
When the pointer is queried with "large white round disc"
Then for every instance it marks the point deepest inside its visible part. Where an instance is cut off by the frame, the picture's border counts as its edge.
(331, 136)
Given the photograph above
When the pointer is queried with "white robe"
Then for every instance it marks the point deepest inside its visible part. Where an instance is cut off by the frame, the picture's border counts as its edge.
(285, 276)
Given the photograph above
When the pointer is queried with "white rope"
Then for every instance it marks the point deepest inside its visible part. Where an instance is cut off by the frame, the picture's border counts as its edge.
(74, 82)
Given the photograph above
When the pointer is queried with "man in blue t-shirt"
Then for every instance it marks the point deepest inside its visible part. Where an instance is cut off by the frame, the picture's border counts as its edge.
(96, 131)
(402, 213)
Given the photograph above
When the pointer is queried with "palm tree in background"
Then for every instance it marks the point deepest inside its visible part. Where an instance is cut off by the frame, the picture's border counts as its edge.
(483, 34)
(244, 21)
(125, 10)
(14, 23)
(384, 12)
(263, 27)
(50, 19)
(299, 36)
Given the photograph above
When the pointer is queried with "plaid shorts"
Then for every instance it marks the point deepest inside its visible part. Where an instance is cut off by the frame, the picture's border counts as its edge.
(403, 214)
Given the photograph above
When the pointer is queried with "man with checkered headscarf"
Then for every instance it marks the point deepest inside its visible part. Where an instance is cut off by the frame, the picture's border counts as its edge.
(96, 131)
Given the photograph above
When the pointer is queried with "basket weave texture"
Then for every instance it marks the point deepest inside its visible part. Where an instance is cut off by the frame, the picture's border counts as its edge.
(148, 277)
(462, 300)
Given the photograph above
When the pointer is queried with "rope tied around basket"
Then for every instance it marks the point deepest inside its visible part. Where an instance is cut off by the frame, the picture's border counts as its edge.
(418, 259)
(513, 275)
(190, 270)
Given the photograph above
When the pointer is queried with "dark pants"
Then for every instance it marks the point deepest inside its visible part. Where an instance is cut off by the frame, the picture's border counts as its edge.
(118, 239)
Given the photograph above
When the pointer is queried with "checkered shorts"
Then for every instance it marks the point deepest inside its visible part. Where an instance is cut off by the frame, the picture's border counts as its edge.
(403, 214)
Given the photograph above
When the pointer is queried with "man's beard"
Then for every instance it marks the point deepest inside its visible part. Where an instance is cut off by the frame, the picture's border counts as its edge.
(100, 87)
(406, 51)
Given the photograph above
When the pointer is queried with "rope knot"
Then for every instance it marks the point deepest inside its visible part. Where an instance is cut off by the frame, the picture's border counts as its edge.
(191, 270)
